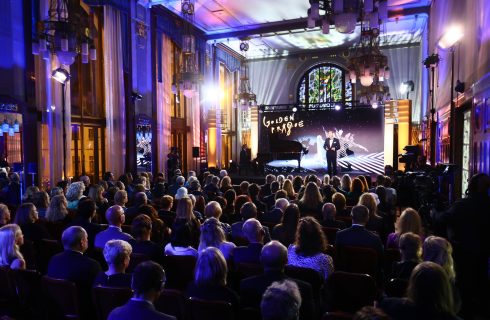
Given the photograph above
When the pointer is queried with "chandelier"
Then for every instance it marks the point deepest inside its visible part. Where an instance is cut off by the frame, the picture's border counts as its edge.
(65, 34)
(345, 14)
(188, 77)
(370, 66)
(245, 97)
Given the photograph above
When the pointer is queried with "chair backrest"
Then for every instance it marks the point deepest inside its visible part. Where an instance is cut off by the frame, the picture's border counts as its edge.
(136, 259)
(8, 294)
(107, 299)
(29, 252)
(240, 241)
(358, 260)
(179, 271)
(337, 316)
(245, 270)
(396, 288)
(308, 275)
(63, 297)
(46, 250)
(172, 302)
(330, 233)
(209, 310)
(349, 292)
(390, 256)
(29, 291)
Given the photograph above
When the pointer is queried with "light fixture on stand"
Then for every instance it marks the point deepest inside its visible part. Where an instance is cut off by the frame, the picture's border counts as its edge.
(64, 34)
(188, 77)
(62, 76)
(245, 98)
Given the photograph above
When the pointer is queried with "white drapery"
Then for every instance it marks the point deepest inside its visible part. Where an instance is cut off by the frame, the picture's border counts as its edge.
(164, 94)
(114, 91)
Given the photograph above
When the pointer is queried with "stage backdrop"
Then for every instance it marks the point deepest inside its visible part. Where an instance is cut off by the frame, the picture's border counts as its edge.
(359, 130)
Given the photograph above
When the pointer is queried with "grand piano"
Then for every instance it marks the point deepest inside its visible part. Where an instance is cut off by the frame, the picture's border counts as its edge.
(286, 149)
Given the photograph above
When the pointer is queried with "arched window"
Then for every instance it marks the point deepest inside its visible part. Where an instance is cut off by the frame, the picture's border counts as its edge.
(325, 83)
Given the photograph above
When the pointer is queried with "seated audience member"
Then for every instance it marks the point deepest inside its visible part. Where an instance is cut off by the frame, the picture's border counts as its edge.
(281, 301)
(27, 219)
(85, 214)
(74, 194)
(440, 251)
(307, 250)
(165, 213)
(115, 217)
(179, 183)
(148, 281)
(356, 190)
(210, 279)
(285, 232)
(56, 191)
(11, 239)
(409, 221)
(180, 241)
(157, 193)
(288, 187)
(248, 211)
(357, 235)
(225, 184)
(185, 215)
(429, 294)
(212, 235)
(274, 257)
(254, 233)
(212, 189)
(28, 195)
(159, 231)
(194, 202)
(297, 183)
(181, 193)
(391, 196)
(74, 266)
(340, 203)
(121, 198)
(270, 199)
(265, 189)
(329, 213)
(336, 184)
(244, 188)
(275, 214)
(57, 211)
(375, 222)
(311, 203)
(213, 210)
(41, 201)
(141, 231)
(229, 209)
(239, 202)
(345, 184)
(96, 194)
(4, 215)
(117, 254)
(139, 199)
(411, 251)
(254, 191)
(370, 313)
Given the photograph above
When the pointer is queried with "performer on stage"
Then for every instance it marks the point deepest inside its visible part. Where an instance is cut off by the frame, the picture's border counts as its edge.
(331, 145)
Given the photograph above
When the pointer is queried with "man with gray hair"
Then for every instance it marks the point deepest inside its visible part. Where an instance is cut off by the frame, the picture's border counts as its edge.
(115, 217)
(179, 183)
(139, 199)
(254, 233)
(275, 215)
(73, 266)
(86, 183)
(329, 213)
(281, 301)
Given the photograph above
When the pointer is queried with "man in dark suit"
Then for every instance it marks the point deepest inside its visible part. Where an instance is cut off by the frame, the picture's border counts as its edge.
(148, 281)
(244, 160)
(115, 217)
(248, 211)
(253, 231)
(73, 266)
(329, 213)
(331, 145)
(274, 257)
(85, 213)
(357, 235)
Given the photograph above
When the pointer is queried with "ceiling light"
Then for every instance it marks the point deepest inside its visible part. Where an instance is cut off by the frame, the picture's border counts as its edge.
(452, 35)
(337, 107)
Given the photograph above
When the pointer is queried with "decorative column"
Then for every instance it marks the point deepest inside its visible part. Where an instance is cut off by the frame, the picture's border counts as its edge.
(254, 126)
(212, 138)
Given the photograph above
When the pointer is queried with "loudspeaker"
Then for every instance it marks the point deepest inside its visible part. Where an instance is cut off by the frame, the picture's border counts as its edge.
(195, 152)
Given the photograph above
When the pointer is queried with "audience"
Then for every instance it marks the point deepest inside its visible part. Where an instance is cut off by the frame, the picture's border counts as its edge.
(329, 213)
(281, 301)
(57, 211)
(254, 233)
(147, 283)
(11, 238)
(311, 203)
(115, 217)
(285, 232)
(117, 254)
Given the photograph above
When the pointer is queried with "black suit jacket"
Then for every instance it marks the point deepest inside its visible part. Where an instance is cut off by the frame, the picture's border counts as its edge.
(248, 254)
(335, 144)
(138, 310)
(252, 289)
(359, 236)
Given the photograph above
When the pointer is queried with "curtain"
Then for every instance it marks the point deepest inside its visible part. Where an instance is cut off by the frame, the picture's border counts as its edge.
(406, 64)
(114, 91)
(269, 80)
(164, 94)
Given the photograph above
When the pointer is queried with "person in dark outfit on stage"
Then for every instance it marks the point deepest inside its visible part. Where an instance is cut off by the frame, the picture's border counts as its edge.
(244, 160)
(331, 145)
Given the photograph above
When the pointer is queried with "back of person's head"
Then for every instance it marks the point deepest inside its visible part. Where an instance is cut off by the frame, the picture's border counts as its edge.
(269, 178)
(478, 185)
(290, 218)
(368, 200)
(244, 187)
(181, 235)
(281, 194)
(4, 214)
(181, 193)
(310, 239)
(75, 191)
(253, 231)
(117, 252)
(115, 215)
(9, 250)
(430, 289)
(148, 277)
(370, 313)
(387, 182)
(72, 238)
(86, 208)
(141, 226)
(25, 214)
(329, 211)
(158, 190)
(326, 179)
(410, 246)
(41, 199)
(215, 180)
(281, 301)
(274, 256)
(339, 200)
(312, 196)
(184, 209)
(225, 182)
(139, 199)
(360, 214)
(381, 192)
(57, 210)
(222, 201)
(439, 250)
(335, 182)
(56, 191)
(211, 269)
(248, 210)
(346, 182)
(107, 176)
(409, 222)
(364, 182)
(230, 196)
(281, 204)
(121, 197)
(274, 186)
(357, 186)
(253, 190)
(212, 234)
(223, 173)
(213, 209)
(166, 202)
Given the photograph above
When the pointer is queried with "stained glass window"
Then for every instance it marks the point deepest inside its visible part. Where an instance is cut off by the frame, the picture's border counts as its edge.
(325, 84)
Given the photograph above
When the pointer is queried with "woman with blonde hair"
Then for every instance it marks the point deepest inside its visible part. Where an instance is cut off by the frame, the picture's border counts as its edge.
(311, 203)
(288, 187)
(184, 215)
(212, 235)
(225, 184)
(364, 183)
(11, 238)
(4, 215)
(440, 251)
(409, 221)
(57, 210)
(375, 222)
(345, 183)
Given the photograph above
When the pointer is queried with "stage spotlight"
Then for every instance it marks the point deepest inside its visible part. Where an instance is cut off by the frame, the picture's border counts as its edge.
(337, 107)
(374, 105)
(61, 75)
(295, 109)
